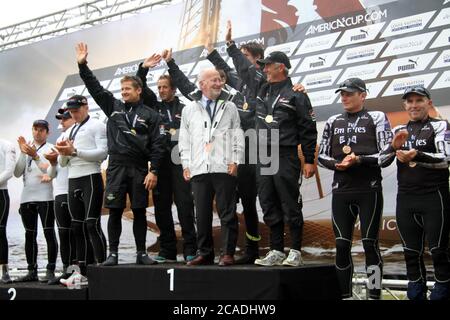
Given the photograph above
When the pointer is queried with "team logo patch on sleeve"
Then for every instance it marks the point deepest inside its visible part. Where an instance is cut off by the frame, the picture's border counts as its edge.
(161, 130)
(447, 135)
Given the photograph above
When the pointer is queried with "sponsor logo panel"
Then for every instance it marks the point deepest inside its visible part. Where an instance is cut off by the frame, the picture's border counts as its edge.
(408, 24)
(361, 53)
(409, 64)
(398, 86)
(364, 72)
(408, 44)
(360, 34)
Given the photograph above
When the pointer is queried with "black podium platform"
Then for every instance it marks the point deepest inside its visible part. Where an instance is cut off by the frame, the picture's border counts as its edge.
(180, 282)
(40, 291)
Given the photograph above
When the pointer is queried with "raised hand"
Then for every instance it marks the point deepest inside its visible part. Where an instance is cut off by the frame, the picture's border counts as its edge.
(152, 61)
(66, 148)
(52, 157)
(406, 156)
(399, 139)
(228, 36)
(82, 52)
(46, 178)
(167, 55)
(208, 44)
(298, 87)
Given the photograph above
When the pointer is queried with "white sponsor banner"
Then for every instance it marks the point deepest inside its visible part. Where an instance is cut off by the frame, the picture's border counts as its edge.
(409, 64)
(317, 62)
(442, 19)
(288, 48)
(323, 79)
(115, 85)
(364, 72)
(408, 44)
(360, 34)
(398, 86)
(201, 65)
(294, 64)
(408, 24)
(318, 43)
(153, 75)
(442, 40)
(322, 98)
(68, 92)
(443, 81)
(362, 53)
(296, 79)
(443, 60)
(104, 84)
(374, 89)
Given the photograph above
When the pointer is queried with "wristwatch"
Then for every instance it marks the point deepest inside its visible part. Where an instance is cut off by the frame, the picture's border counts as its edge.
(154, 172)
(74, 153)
(229, 43)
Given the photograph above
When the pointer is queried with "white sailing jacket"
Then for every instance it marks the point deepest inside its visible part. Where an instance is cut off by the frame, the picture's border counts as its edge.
(209, 147)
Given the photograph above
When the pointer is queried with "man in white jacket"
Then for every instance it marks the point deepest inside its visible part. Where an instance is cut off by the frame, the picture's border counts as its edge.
(36, 200)
(7, 164)
(211, 146)
(60, 178)
(83, 152)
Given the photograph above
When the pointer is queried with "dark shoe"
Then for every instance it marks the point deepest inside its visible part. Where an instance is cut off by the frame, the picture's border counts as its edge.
(162, 259)
(49, 276)
(417, 291)
(56, 280)
(247, 258)
(112, 260)
(440, 291)
(200, 261)
(144, 259)
(5, 279)
(31, 276)
(226, 260)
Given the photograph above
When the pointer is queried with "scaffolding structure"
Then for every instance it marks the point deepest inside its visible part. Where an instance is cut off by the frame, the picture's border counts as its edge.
(74, 19)
(201, 19)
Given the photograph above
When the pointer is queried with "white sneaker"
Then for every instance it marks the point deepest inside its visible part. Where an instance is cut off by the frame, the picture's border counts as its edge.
(76, 279)
(294, 259)
(272, 258)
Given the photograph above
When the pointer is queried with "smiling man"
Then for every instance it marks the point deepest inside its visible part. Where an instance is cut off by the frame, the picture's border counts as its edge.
(211, 147)
(135, 138)
(422, 148)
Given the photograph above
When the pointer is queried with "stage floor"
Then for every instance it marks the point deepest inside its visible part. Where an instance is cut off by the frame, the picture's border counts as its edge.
(181, 282)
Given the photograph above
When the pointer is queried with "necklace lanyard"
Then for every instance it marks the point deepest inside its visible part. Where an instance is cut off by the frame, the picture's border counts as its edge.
(31, 159)
(134, 120)
(73, 132)
(170, 115)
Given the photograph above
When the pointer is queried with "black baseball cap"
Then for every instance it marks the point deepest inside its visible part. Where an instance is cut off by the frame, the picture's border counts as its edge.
(63, 115)
(275, 57)
(41, 123)
(352, 85)
(420, 90)
(76, 101)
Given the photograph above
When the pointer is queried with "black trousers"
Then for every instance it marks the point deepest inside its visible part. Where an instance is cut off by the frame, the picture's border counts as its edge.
(66, 237)
(171, 188)
(247, 191)
(280, 199)
(420, 217)
(4, 212)
(85, 205)
(29, 212)
(205, 187)
(346, 207)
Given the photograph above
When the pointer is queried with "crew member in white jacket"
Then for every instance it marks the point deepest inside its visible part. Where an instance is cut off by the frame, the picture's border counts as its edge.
(60, 178)
(37, 199)
(211, 146)
(83, 152)
(7, 163)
